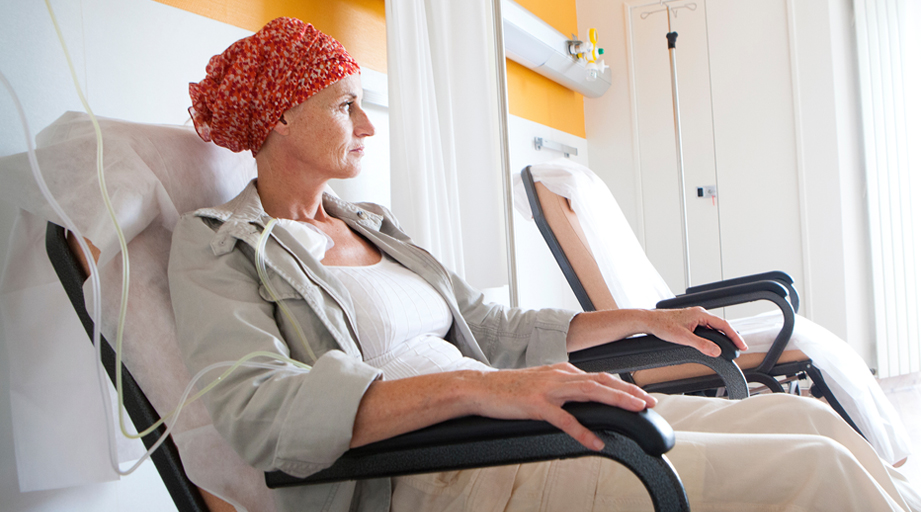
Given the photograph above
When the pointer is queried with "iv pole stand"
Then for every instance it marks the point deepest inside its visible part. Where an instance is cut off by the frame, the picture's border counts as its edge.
(672, 37)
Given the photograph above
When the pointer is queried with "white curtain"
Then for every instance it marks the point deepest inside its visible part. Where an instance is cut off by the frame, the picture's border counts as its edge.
(888, 55)
(444, 133)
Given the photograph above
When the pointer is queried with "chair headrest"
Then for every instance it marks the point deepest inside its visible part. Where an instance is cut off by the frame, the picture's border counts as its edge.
(153, 173)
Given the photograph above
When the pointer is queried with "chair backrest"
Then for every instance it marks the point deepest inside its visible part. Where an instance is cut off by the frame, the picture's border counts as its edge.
(563, 233)
(589, 217)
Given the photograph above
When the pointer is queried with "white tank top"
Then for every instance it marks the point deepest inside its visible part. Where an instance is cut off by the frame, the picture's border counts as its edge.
(401, 321)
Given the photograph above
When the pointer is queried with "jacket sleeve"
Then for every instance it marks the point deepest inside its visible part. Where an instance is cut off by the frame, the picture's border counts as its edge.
(282, 418)
(513, 337)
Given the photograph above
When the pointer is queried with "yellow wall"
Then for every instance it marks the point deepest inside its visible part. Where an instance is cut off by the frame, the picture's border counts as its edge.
(357, 24)
(540, 99)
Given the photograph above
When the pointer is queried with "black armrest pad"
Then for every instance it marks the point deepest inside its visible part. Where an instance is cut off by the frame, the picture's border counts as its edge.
(648, 344)
(775, 275)
(650, 431)
(727, 296)
(411, 453)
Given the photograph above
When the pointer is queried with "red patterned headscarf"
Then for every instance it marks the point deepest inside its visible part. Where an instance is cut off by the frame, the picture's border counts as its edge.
(251, 84)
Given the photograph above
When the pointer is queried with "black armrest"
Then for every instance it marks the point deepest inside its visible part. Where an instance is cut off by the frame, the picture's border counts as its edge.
(636, 440)
(777, 276)
(740, 294)
(643, 352)
(728, 296)
(647, 429)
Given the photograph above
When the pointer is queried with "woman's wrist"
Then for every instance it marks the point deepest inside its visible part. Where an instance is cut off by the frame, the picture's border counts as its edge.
(597, 327)
(470, 391)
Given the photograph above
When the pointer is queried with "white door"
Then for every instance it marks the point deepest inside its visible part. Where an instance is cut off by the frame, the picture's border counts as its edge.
(737, 114)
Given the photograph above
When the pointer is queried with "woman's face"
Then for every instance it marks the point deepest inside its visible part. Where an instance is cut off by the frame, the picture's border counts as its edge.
(326, 132)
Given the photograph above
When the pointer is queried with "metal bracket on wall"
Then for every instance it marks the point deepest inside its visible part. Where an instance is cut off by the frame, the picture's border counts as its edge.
(540, 142)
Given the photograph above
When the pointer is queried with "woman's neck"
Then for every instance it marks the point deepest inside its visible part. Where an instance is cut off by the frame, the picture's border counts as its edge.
(289, 194)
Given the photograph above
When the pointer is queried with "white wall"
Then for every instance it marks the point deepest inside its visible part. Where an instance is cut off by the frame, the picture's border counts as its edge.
(832, 212)
(134, 59)
(839, 290)
(856, 247)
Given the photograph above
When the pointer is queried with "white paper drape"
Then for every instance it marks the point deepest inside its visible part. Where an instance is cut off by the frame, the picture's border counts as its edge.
(887, 49)
(444, 135)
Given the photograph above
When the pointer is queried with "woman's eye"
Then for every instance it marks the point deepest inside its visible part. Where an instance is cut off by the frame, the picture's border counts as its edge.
(347, 106)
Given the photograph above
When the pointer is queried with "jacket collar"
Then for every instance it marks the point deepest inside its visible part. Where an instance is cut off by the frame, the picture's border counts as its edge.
(241, 214)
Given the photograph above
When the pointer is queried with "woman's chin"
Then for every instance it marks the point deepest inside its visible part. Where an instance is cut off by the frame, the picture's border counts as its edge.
(351, 172)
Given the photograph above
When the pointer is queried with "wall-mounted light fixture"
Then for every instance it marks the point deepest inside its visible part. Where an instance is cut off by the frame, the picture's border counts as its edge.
(533, 43)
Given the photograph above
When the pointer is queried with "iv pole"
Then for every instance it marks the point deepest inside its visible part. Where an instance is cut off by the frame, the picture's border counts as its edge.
(672, 37)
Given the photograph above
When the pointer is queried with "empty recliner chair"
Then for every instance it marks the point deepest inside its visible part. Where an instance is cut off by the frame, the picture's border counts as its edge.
(589, 251)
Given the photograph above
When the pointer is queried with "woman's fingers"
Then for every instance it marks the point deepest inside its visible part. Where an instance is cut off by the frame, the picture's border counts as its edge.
(606, 379)
(599, 387)
(715, 322)
(704, 345)
(703, 318)
(589, 391)
(594, 387)
(594, 391)
(678, 326)
(568, 423)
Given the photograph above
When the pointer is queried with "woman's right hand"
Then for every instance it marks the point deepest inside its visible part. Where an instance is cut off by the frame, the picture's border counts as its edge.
(539, 394)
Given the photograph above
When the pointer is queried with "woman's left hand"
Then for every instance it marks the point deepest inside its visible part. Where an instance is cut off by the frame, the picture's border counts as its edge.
(677, 326)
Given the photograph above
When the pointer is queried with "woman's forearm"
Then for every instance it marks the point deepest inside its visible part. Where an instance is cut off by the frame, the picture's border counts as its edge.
(391, 408)
(596, 327)
(675, 325)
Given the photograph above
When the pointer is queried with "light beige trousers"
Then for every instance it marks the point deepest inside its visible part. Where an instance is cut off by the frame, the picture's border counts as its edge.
(766, 453)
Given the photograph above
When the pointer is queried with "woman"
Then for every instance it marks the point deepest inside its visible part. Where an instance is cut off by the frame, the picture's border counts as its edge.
(396, 342)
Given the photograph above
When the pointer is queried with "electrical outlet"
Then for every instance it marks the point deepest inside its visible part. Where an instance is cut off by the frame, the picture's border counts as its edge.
(706, 191)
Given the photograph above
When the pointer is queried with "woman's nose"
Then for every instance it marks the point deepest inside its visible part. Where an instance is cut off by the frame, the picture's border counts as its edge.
(364, 127)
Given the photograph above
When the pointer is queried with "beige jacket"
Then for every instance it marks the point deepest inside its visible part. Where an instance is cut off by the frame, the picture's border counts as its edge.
(301, 421)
